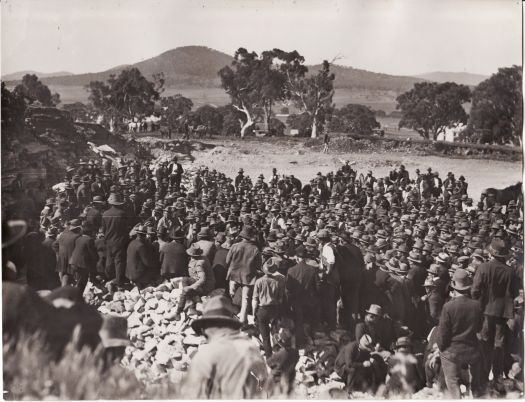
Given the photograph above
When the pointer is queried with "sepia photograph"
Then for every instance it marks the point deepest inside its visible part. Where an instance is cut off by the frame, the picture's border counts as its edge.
(262, 199)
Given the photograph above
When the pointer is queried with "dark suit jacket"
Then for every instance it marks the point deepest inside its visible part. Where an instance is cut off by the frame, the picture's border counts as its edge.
(174, 260)
(219, 268)
(141, 259)
(496, 286)
(460, 321)
(115, 224)
(243, 262)
(301, 284)
(85, 254)
(66, 245)
(94, 216)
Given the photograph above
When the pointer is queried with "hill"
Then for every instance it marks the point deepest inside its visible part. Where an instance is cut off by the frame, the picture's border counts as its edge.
(197, 67)
(459, 78)
(19, 74)
(356, 79)
(183, 67)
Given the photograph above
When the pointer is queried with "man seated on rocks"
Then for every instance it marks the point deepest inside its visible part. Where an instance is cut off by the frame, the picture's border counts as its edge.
(230, 364)
(200, 282)
(405, 370)
(357, 368)
(114, 339)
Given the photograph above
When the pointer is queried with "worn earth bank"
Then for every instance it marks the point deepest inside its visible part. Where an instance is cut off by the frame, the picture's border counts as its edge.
(290, 156)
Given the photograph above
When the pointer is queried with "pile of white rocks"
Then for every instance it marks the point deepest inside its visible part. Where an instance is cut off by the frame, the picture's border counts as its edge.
(161, 347)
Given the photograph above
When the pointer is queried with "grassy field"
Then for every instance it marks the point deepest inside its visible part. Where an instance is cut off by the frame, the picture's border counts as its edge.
(217, 96)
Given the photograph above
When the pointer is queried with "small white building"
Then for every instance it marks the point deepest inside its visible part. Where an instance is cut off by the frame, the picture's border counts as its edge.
(450, 134)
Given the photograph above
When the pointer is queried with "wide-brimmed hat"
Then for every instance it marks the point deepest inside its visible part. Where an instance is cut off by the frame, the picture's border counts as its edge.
(217, 312)
(75, 224)
(98, 200)
(392, 264)
(498, 248)
(443, 258)
(415, 257)
(12, 231)
(114, 331)
(403, 343)
(270, 266)
(205, 232)
(323, 234)
(194, 251)
(278, 247)
(375, 309)
(248, 233)
(116, 199)
(429, 283)
(461, 280)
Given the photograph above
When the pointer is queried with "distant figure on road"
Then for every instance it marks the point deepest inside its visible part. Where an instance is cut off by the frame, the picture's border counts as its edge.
(326, 141)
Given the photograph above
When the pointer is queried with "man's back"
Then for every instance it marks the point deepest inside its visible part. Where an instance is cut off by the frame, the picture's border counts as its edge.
(229, 367)
(495, 285)
(115, 226)
(460, 321)
(243, 260)
(301, 282)
(174, 259)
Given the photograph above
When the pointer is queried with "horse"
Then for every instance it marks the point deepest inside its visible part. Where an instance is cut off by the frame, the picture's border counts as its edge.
(504, 196)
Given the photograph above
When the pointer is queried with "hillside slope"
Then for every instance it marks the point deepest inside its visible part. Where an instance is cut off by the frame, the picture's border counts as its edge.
(459, 78)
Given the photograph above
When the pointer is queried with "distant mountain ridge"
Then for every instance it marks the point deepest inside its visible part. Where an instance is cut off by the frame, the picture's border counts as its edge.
(20, 74)
(459, 78)
(197, 67)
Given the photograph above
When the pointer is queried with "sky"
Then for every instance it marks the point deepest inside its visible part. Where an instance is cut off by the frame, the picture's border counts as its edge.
(402, 37)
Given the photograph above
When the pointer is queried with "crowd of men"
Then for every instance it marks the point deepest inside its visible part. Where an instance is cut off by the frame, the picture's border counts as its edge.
(417, 275)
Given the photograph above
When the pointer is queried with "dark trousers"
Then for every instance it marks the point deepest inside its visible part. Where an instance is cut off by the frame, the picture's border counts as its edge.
(81, 279)
(493, 343)
(303, 313)
(265, 315)
(329, 295)
(454, 376)
(350, 306)
(116, 263)
(187, 293)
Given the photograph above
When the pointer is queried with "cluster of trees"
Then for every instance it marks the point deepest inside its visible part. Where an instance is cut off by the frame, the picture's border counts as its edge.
(256, 82)
(495, 115)
(126, 96)
(32, 90)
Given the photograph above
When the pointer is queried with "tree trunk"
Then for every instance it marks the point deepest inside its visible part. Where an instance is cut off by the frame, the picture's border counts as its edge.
(314, 128)
(246, 125)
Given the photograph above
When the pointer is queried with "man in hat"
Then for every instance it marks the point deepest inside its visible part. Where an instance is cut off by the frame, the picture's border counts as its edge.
(142, 267)
(94, 214)
(115, 225)
(229, 366)
(175, 173)
(243, 261)
(267, 300)
(460, 321)
(206, 243)
(495, 286)
(84, 258)
(173, 258)
(350, 274)
(200, 280)
(302, 293)
(354, 365)
(405, 372)
(222, 244)
(66, 246)
(329, 286)
(379, 328)
(84, 192)
(114, 339)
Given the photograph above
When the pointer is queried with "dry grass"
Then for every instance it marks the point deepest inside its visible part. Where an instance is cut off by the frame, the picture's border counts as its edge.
(29, 373)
